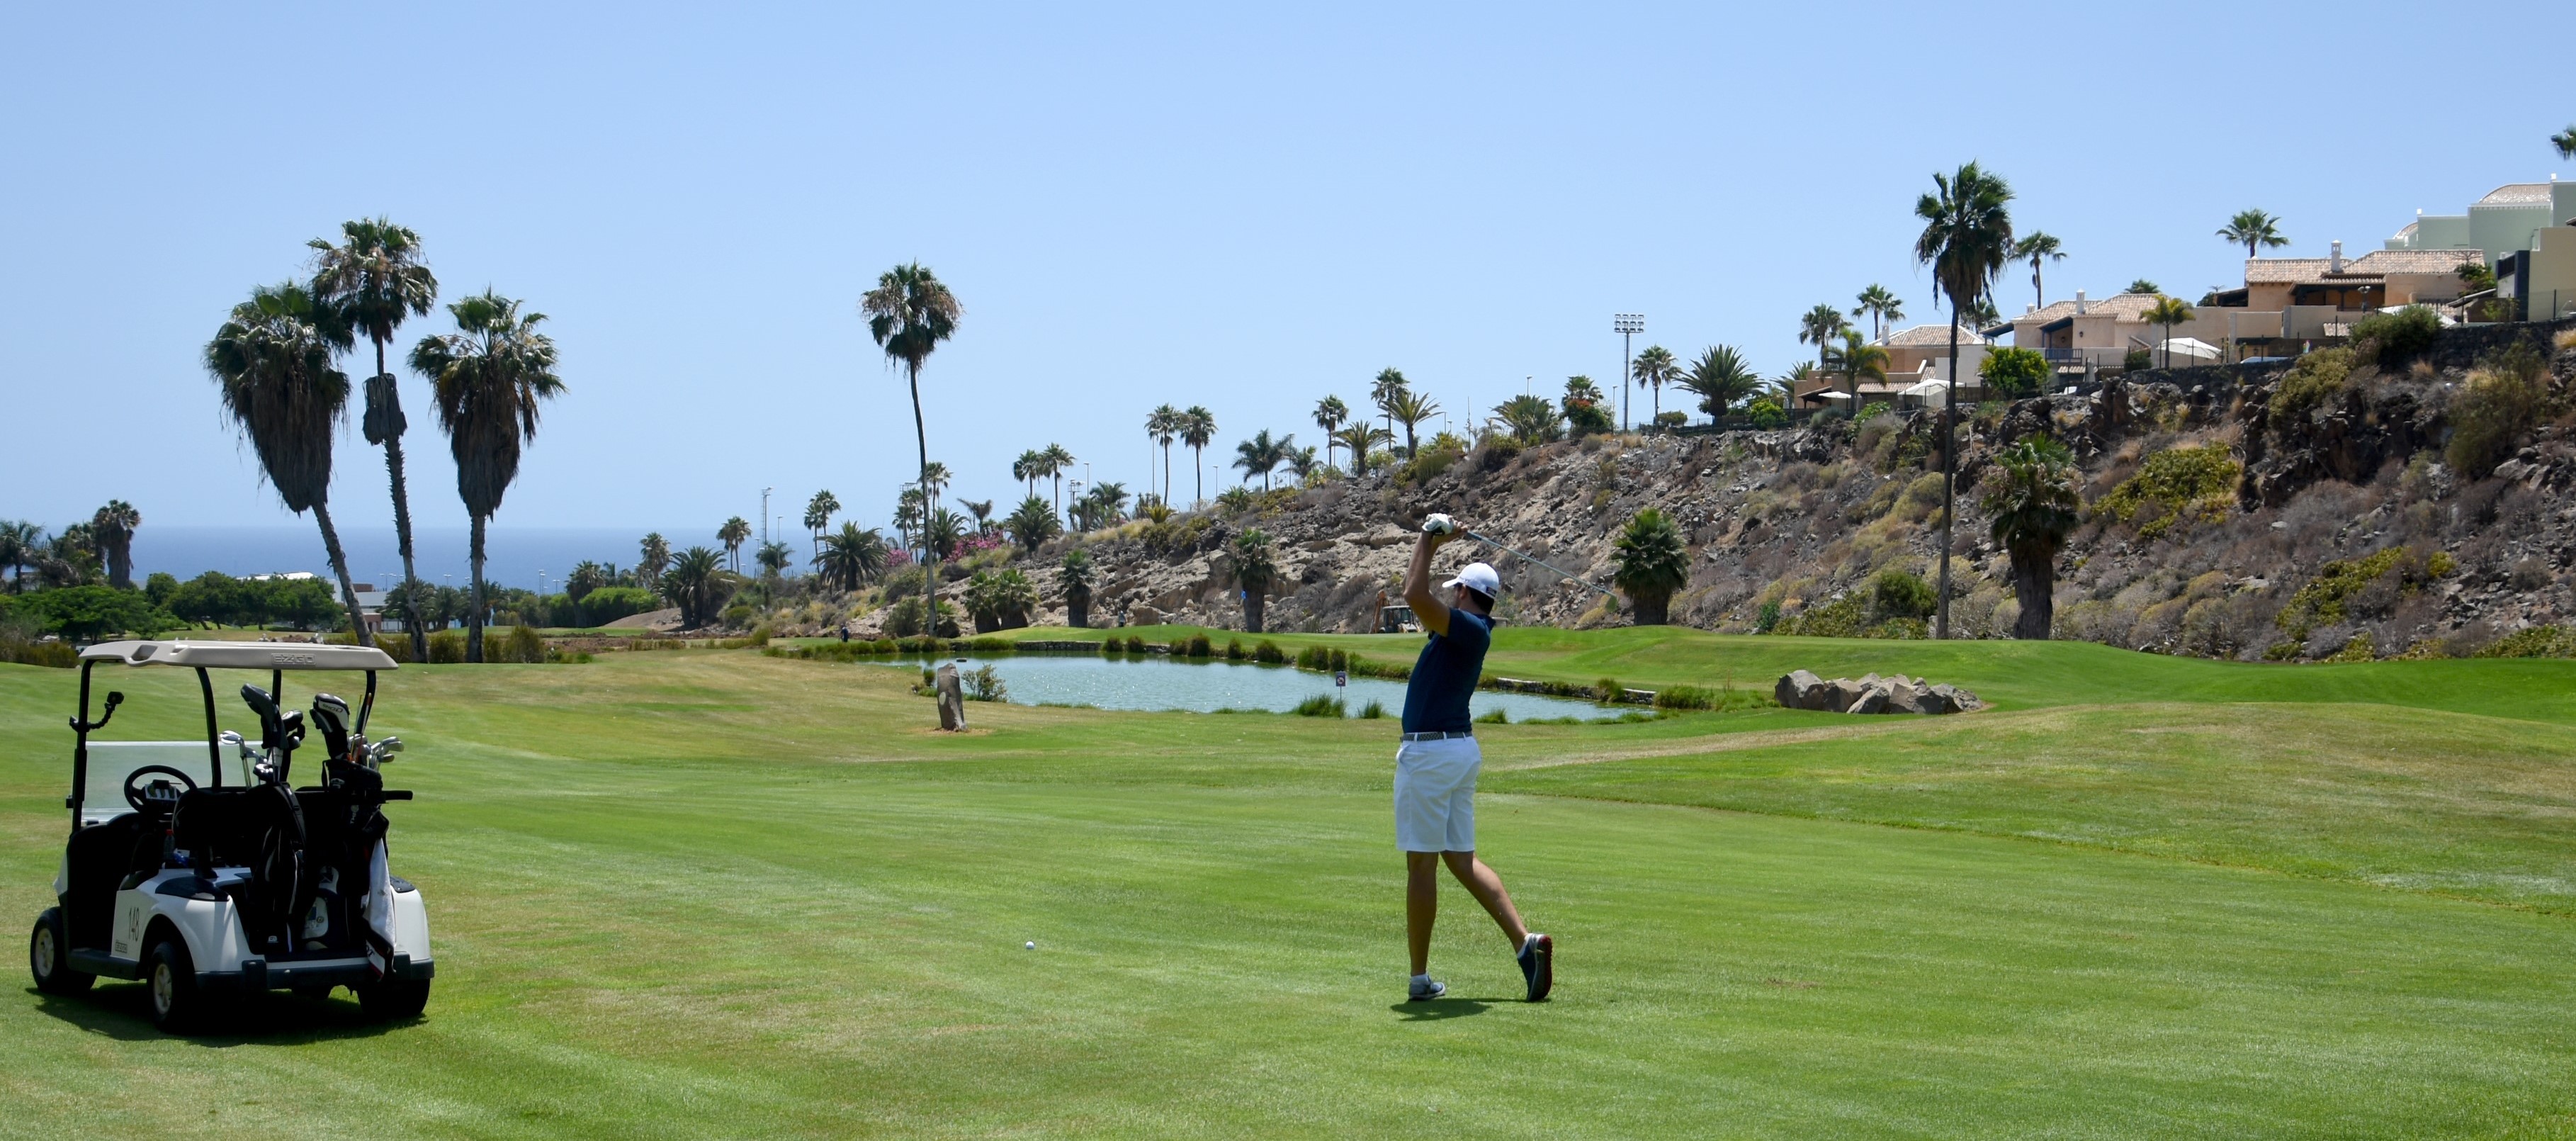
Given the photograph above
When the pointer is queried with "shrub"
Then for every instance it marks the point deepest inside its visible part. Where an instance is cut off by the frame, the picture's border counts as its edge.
(1268, 652)
(2188, 482)
(447, 647)
(1434, 457)
(1372, 711)
(2359, 649)
(610, 603)
(1685, 697)
(1336, 660)
(1671, 419)
(2507, 395)
(2324, 600)
(1495, 716)
(1843, 617)
(1313, 658)
(1608, 691)
(1320, 705)
(983, 684)
(522, 647)
(2316, 377)
(1234, 651)
(1199, 647)
(1135, 644)
(1497, 452)
(1112, 647)
(2137, 360)
(2536, 642)
(1900, 594)
(1767, 618)
(1766, 413)
(2395, 338)
(2014, 371)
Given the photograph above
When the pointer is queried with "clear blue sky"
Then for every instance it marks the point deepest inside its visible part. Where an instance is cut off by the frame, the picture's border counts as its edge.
(1245, 208)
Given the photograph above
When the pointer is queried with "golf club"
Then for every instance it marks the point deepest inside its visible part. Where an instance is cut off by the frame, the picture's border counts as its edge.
(1446, 523)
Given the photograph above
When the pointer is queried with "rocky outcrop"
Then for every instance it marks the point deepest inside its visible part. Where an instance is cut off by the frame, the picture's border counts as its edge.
(1800, 689)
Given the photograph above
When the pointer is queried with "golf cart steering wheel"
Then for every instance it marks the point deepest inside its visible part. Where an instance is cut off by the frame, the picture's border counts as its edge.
(136, 794)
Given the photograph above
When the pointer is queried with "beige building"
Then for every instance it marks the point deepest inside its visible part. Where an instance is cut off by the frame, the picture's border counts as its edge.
(1915, 355)
(2376, 280)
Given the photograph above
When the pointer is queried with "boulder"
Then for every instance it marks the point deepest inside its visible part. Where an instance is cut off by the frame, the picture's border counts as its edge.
(1872, 699)
(1905, 695)
(1870, 693)
(1799, 689)
(952, 699)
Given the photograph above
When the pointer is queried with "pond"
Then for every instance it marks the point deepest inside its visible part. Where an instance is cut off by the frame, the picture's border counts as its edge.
(1160, 683)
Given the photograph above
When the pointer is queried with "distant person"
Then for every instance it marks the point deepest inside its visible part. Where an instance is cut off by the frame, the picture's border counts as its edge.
(845, 633)
(1435, 768)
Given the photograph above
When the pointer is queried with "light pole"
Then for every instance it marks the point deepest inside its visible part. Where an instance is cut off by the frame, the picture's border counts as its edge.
(1628, 325)
(764, 515)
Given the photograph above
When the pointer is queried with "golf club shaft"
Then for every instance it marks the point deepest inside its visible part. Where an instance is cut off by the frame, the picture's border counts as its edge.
(1527, 559)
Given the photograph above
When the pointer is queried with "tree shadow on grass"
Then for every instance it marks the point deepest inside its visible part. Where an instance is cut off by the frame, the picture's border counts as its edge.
(1438, 1009)
(116, 1010)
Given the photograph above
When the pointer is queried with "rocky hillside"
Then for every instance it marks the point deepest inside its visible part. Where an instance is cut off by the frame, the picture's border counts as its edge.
(2339, 507)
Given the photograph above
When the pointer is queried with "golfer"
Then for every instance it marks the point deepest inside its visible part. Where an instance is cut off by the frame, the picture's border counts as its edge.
(1435, 768)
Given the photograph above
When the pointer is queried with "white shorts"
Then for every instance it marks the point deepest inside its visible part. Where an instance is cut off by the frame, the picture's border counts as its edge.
(1435, 795)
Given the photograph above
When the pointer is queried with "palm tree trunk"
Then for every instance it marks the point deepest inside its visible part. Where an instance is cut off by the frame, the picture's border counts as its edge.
(930, 557)
(1949, 472)
(1252, 603)
(474, 604)
(340, 567)
(1198, 475)
(402, 534)
(2032, 572)
(1167, 475)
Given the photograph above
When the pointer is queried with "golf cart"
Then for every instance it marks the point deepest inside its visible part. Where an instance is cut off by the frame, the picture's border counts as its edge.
(200, 867)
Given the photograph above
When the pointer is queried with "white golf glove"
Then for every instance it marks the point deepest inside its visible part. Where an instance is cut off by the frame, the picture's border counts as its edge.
(1438, 524)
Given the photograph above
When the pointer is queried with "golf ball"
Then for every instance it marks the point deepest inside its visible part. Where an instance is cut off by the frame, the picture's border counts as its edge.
(1033, 944)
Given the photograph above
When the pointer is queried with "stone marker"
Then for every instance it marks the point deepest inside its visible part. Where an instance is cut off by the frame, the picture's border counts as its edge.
(952, 699)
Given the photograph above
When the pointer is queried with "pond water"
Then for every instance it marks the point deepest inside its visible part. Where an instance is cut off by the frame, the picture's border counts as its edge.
(1160, 683)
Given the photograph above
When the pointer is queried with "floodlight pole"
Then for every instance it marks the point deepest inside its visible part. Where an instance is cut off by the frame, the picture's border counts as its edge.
(764, 515)
(1628, 326)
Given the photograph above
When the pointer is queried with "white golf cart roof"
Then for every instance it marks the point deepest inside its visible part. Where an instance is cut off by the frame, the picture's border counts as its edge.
(241, 655)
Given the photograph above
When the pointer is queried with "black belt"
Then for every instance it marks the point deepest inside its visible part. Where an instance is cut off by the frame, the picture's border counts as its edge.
(1440, 735)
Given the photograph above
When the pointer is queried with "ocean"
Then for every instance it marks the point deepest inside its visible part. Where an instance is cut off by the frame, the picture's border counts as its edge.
(513, 556)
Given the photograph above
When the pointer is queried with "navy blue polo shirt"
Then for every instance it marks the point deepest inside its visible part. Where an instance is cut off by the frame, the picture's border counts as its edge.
(1444, 677)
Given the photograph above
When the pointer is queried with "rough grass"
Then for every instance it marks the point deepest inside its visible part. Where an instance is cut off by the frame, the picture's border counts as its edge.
(701, 894)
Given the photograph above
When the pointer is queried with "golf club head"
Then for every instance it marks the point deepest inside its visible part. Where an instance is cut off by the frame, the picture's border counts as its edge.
(331, 717)
(266, 707)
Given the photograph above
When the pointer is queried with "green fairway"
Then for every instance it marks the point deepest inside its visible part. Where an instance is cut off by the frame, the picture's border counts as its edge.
(715, 894)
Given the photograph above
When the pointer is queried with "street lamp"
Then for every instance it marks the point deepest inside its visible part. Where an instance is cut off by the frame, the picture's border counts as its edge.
(1627, 325)
(764, 515)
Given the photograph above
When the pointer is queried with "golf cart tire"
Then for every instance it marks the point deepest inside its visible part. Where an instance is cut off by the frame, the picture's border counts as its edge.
(393, 1000)
(49, 957)
(177, 1003)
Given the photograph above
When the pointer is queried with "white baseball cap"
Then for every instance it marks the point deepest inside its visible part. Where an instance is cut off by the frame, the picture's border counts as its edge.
(1478, 577)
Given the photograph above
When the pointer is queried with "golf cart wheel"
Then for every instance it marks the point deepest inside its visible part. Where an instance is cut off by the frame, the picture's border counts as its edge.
(49, 957)
(392, 1000)
(170, 988)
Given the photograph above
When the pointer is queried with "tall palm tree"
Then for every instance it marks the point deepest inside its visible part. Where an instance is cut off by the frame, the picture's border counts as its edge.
(1198, 430)
(1410, 409)
(696, 584)
(910, 508)
(653, 556)
(935, 479)
(2168, 312)
(1262, 455)
(1855, 358)
(2034, 506)
(1881, 307)
(1303, 463)
(1383, 391)
(909, 314)
(114, 526)
(1820, 326)
(2565, 141)
(818, 515)
(1721, 378)
(2253, 228)
(2036, 248)
(1330, 413)
(1358, 438)
(375, 275)
(1655, 368)
(774, 559)
(19, 543)
(1967, 236)
(1058, 461)
(272, 362)
(735, 532)
(982, 510)
(852, 556)
(1253, 569)
(1025, 470)
(1162, 426)
(488, 378)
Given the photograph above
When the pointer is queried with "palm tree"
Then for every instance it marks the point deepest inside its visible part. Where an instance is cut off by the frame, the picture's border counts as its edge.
(818, 515)
(2035, 249)
(1303, 463)
(910, 508)
(1721, 378)
(1383, 391)
(1655, 368)
(2168, 312)
(1410, 409)
(2253, 228)
(1198, 430)
(852, 556)
(1653, 564)
(19, 544)
(1330, 413)
(1855, 358)
(1819, 328)
(1025, 469)
(375, 275)
(1881, 307)
(2565, 141)
(2034, 506)
(909, 313)
(113, 526)
(654, 554)
(1253, 570)
(1058, 462)
(272, 364)
(488, 378)
(1075, 578)
(696, 584)
(735, 532)
(1359, 438)
(934, 479)
(1262, 455)
(1967, 236)
(1530, 419)
(982, 510)
(774, 559)
(2144, 287)
(1163, 425)
(1581, 388)
(586, 577)
(942, 531)
(1032, 524)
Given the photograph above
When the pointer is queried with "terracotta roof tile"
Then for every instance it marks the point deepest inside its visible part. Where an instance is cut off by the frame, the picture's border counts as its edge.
(2412, 261)
(2284, 271)
(2516, 194)
(1921, 335)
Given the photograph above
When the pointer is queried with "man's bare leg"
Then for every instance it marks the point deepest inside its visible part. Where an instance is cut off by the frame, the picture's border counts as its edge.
(1421, 905)
(1481, 882)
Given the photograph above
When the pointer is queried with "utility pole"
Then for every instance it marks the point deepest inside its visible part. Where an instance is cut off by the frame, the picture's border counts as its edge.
(764, 515)
(1628, 326)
